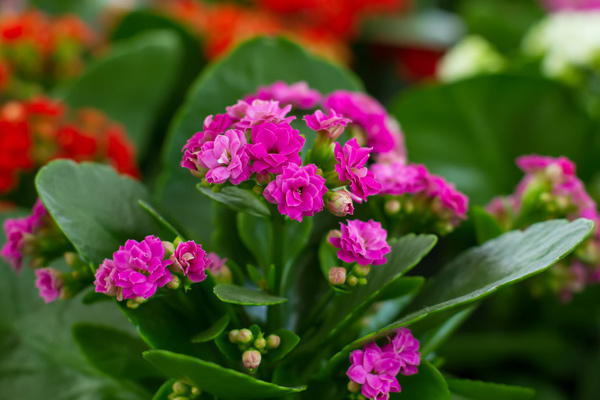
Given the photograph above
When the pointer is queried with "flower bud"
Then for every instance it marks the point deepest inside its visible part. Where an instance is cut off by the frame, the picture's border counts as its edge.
(245, 336)
(169, 248)
(263, 178)
(362, 281)
(273, 342)
(352, 280)
(392, 207)
(196, 392)
(175, 282)
(135, 303)
(180, 388)
(362, 270)
(233, 335)
(260, 343)
(340, 203)
(258, 189)
(334, 233)
(337, 276)
(251, 359)
(353, 386)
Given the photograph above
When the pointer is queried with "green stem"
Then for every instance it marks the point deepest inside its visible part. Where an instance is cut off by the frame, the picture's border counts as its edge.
(316, 312)
(275, 313)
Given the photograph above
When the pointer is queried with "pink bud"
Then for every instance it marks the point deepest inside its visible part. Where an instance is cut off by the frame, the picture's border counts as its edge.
(340, 203)
(337, 276)
(273, 341)
(251, 359)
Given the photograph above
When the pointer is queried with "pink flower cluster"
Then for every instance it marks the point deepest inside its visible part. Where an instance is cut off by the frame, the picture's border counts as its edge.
(551, 187)
(49, 283)
(297, 95)
(375, 369)
(138, 269)
(362, 242)
(18, 232)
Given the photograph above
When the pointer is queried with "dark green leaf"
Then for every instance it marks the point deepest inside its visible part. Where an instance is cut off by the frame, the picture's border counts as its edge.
(482, 270)
(486, 226)
(92, 297)
(428, 384)
(256, 276)
(489, 121)
(244, 296)
(477, 390)
(160, 220)
(258, 62)
(402, 287)
(229, 350)
(96, 208)
(238, 199)
(211, 333)
(289, 340)
(327, 260)
(213, 378)
(116, 353)
(257, 236)
(119, 82)
(165, 390)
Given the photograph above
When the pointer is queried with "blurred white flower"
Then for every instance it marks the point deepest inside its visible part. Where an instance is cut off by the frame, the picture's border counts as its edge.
(471, 56)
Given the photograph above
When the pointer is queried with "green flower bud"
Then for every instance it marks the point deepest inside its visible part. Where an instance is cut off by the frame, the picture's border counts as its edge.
(233, 335)
(245, 336)
(273, 341)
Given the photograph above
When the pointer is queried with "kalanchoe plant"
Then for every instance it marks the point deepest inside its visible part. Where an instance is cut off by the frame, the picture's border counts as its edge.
(298, 309)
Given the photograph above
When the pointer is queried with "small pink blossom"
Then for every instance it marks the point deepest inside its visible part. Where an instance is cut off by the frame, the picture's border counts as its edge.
(351, 168)
(215, 263)
(248, 115)
(298, 95)
(332, 125)
(362, 242)
(192, 260)
(340, 204)
(534, 163)
(406, 349)
(213, 126)
(375, 370)
(225, 158)
(297, 191)
(453, 200)
(398, 152)
(49, 283)
(397, 178)
(274, 146)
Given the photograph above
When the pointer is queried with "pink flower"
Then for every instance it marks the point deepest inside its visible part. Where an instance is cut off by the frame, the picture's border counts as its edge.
(17, 230)
(351, 168)
(274, 146)
(406, 349)
(226, 158)
(259, 111)
(141, 268)
(49, 282)
(215, 263)
(451, 199)
(298, 95)
(191, 258)
(534, 163)
(297, 191)
(362, 242)
(212, 127)
(105, 278)
(398, 179)
(375, 370)
(332, 125)
(398, 152)
(339, 203)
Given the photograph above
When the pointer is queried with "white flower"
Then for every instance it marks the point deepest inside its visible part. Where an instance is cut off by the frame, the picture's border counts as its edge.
(471, 56)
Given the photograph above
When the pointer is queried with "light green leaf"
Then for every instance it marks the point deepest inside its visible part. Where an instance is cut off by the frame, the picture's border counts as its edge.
(213, 378)
(211, 333)
(238, 199)
(486, 226)
(165, 390)
(160, 220)
(478, 390)
(244, 296)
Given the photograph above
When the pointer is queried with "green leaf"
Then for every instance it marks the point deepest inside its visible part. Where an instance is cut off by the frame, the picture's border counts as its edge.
(482, 270)
(119, 82)
(165, 390)
(229, 350)
(96, 208)
(214, 379)
(116, 353)
(256, 276)
(238, 199)
(260, 61)
(488, 122)
(257, 236)
(160, 220)
(327, 260)
(406, 253)
(486, 226)
(289, 340)
(244, 296)
(211, 333)
(478, 390)
(427, 384)
(402, 287)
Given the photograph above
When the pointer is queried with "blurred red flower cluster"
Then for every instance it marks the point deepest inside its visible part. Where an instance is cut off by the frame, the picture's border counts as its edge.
(37, 131)
(39, 50)
(324, 27)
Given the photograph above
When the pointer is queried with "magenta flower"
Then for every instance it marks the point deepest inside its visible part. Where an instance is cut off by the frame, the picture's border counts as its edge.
(398, 179)
(259, 111)
(451, 199)
(215, 263)
(331, 125)
(362, 242)
(141, 268)
(398, 152)
(297, 191)
(192, 260)
(298, 95)
(17, 231)
(375, 370)
(534, 163)
(225, 158)
(351, 168)
(274, 146)
(105, 278)
(406, 349)
(212, 127)
(49, 283)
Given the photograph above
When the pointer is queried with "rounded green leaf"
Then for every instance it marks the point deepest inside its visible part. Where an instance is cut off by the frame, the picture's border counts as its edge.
(213, 332)
(240, 295)
(427, 384)
(214, 379)
(96, 208)
(289, 340)
(238, 199)
(160, 220)
(257, 235)
(478, 390)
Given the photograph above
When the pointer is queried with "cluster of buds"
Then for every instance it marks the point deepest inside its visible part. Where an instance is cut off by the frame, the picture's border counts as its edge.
(550, 189)
(253, 344)
(183, 391)
(39, 130)
(38, 50)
